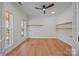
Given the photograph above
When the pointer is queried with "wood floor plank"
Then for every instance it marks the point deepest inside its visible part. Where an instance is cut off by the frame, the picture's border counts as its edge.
(42, 47)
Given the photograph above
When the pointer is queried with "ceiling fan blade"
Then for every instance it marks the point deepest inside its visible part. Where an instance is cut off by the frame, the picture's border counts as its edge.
(38, 8)
(50, 5)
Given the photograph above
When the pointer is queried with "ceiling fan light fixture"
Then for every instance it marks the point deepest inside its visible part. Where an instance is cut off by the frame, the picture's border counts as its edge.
(44, 9)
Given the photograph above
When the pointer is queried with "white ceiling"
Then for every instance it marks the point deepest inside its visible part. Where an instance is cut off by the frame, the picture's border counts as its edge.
(59, 7)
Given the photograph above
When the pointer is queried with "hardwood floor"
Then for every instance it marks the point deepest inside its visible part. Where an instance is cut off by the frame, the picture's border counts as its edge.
(42, 47)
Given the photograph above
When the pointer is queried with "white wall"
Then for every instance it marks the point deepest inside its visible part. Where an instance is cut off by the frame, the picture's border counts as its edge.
(64, 34)
(0, 26)
(66, 15)
(17, 17)
(47, 30)
(2, 33)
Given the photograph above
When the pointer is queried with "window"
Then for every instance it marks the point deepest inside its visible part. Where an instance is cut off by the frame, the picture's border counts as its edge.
(8, 28)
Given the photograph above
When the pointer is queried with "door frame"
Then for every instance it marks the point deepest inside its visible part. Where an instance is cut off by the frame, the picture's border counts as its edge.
(75, 44)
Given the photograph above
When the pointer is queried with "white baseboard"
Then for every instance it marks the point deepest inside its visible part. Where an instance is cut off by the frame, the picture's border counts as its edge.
(43, 37)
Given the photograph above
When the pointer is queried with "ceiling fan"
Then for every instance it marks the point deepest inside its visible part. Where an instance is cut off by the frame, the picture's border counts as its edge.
(45, 7)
